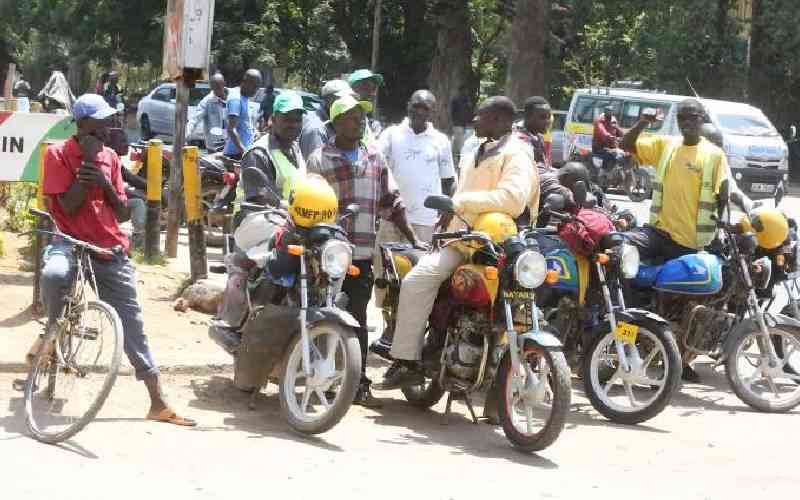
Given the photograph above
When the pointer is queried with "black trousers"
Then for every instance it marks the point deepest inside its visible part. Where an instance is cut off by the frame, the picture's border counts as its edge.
(655, 245)
(359, 291)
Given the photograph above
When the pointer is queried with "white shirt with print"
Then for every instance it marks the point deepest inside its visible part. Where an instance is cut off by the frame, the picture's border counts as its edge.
(418, 162)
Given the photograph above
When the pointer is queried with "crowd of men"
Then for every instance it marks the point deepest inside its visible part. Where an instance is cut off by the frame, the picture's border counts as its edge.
(505, 168)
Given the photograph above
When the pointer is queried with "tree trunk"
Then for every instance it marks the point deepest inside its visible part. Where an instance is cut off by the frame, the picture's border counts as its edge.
(526, 62)
(452, 61)
(757, 79)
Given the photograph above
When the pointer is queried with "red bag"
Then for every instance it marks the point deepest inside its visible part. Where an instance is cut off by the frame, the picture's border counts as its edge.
(584, 232)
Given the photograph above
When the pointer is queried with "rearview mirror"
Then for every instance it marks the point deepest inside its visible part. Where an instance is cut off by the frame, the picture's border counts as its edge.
(256, 187)
(439, 202)
(554, 202)
(351, 210)
(792, 133)
(579, 192)
(723, 197)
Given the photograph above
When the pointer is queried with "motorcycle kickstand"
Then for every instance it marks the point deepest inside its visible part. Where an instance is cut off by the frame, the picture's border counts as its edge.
(467, 401)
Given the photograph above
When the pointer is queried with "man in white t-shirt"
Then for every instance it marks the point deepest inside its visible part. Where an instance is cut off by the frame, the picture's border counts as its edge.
(421, 161)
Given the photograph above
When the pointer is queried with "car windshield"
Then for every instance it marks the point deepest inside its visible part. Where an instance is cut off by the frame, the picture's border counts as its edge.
(196, 95)
(752, 125)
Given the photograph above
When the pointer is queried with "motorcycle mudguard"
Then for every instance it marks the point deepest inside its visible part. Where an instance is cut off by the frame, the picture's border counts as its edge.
(543, 339)
(781, 320)
(265, 337)
(315, 315)
(640, 316)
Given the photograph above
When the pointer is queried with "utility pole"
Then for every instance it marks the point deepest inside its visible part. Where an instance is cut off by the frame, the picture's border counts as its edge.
(176, 168)
(376, 46)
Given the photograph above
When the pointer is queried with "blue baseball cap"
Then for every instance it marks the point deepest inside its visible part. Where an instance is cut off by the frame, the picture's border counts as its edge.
(92, 106)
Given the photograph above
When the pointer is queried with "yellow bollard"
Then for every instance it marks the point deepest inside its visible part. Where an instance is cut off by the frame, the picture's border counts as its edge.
(155, 169)
(192, 193)
(40, 204)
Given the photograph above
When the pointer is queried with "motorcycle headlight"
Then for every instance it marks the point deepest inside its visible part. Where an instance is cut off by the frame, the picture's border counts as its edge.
(629, 261)
(336, 259)
(530, 269)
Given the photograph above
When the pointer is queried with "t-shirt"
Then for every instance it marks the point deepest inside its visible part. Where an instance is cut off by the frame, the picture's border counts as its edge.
(418, 162)
(95, 221)
(238, 105)
(682, 183)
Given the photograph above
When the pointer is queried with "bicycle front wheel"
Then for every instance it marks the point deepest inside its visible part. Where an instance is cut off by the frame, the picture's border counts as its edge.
(73, 373)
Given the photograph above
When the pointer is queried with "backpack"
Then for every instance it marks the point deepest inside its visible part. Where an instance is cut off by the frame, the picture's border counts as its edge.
(584, 232)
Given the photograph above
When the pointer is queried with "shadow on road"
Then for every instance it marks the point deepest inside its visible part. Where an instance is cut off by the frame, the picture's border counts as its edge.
(219, 395)
(19, 319)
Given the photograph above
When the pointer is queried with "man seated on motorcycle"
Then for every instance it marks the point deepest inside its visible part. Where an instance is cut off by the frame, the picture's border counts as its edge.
(605, 137)
(498, 178)
(277, 153)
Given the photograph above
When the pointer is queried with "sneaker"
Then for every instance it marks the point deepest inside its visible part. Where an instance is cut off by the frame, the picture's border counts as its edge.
(382, 349)
(401, 374)
(689, 375)
(365, 398)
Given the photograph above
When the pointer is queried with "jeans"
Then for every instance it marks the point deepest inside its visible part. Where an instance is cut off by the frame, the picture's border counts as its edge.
(138, 207)
(359, 291)
(116, 285)
(656, 245)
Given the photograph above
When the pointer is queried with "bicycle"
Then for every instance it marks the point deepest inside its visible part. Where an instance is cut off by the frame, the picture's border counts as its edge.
(52, 413)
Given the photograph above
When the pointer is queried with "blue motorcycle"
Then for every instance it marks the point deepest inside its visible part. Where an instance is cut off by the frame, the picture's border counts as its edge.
(711, 299)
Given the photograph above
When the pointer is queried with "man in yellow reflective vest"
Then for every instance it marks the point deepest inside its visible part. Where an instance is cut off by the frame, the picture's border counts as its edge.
(689, 172)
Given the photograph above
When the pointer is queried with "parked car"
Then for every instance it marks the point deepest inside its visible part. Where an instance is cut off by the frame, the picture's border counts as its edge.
(557, 137)
(155, 113)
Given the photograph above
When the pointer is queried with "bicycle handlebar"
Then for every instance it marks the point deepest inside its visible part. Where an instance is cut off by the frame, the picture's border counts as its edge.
(108, 252)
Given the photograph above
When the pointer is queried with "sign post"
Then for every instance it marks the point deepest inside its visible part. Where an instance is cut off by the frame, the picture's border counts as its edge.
(187, 44)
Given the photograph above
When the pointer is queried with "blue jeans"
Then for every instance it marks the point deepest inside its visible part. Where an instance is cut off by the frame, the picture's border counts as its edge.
(116, 285)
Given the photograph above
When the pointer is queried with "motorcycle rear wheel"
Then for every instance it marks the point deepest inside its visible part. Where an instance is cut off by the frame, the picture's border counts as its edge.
(745, 369)
(336, 370)
(601, 369)
(637, 185)
(548, 390)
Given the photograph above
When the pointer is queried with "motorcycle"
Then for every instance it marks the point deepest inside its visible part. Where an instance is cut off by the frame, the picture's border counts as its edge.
(711, 300)
(627, 357)
(292, 329)
(621, 174)
(484, 332)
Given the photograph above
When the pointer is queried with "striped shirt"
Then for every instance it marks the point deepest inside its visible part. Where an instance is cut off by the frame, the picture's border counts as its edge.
(367, 182)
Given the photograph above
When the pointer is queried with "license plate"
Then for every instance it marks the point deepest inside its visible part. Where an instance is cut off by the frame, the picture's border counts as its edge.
(626, 332)
(758, 187)
(518, 294)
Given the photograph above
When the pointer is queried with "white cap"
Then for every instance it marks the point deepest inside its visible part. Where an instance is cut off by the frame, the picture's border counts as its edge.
(339, 88)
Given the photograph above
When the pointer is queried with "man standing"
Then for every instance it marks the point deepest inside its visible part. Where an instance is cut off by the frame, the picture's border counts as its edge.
(212, 113)
(461, 118)
(689, 173)
(497, 179)
(317, 128)
(277, 153)
(365, 84)
(240, 127)
(111, 90)
(358, 174)
(86, 198)
(22, 93)
(266, 108)
(421, 161)
(605, 137)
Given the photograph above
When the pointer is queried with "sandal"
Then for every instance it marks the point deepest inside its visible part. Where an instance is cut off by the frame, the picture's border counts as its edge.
(168, 415)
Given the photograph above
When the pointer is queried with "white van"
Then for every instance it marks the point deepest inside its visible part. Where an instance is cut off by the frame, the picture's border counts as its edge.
(757, 154)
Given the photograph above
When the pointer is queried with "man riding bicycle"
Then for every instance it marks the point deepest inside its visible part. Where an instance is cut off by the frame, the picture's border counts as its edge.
(86, 199)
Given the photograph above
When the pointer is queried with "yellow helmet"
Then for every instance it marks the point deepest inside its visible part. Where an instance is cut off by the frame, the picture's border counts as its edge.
(312, 201)
(769, 225)
(497, 225)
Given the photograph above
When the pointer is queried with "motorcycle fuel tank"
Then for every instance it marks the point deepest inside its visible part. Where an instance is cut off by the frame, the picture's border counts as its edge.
(694, 274)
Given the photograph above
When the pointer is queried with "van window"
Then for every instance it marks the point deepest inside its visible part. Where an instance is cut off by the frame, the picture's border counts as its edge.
(749, 125)
(590, 107)
(632, 111)
(196, 95)
(558, 121)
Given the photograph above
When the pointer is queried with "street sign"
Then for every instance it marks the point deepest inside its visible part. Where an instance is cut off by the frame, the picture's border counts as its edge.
(20, 136)
(187, 36)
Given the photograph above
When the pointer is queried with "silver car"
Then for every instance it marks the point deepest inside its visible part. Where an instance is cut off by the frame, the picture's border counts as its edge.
(156, 112)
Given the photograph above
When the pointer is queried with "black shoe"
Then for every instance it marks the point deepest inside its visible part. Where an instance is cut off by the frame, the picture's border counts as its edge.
(401, 374)
(689, 375)
(382, 349)
(365, 398)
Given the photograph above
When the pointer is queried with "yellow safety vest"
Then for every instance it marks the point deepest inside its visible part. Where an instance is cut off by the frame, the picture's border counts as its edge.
(706, 226)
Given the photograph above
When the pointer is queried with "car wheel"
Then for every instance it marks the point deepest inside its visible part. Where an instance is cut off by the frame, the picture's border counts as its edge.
(144, 127)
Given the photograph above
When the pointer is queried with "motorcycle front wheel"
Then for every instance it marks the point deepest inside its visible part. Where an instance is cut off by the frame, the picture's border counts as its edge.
(533, 401)
(766, 388)
(313, 403)
(639, 394)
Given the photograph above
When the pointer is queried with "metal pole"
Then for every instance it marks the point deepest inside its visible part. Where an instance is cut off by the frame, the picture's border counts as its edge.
(376, 47)
(42, 224)
(194, 214)
(175, 178)
(155, 167)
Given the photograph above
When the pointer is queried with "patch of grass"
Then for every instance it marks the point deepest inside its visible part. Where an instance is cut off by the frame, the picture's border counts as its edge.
(138, 257)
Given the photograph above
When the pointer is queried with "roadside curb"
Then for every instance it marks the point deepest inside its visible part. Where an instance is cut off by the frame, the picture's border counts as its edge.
(199, 370)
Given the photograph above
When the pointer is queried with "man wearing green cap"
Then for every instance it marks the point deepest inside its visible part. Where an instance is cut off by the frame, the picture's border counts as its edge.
(358, 173)
(365, 84)
(277, 153)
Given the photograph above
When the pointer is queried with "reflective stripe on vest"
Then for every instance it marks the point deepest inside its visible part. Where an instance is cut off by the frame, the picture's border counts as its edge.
(285, 171)
(705, 227)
